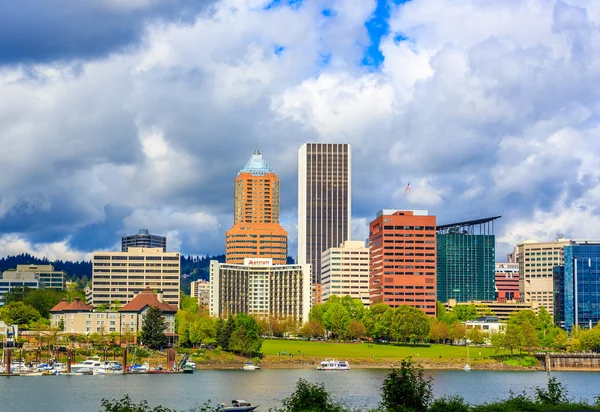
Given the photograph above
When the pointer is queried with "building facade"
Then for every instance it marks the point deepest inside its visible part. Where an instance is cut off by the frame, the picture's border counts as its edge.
(256, 231)
(12, 279)
(120, 276)
(258, 287)
(507, 281)
(345, 271)
(403, 259)
(466, 256)
(143, 239)
(537, 261)
(52, 279)
(500, 309)
(324, 201)
(79, 318)
(577, 286)
(200, 289)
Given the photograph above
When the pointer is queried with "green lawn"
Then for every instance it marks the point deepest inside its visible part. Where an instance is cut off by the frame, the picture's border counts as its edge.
(362, 350)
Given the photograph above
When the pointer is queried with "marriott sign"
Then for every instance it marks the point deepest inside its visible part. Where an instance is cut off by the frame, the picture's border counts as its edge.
(258, 262)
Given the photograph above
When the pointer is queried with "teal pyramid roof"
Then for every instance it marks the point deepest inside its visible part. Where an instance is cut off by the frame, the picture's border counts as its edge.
(257, 164)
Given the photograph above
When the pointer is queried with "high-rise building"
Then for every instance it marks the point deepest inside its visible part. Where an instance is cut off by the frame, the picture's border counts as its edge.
(122, 275)
(258, 287)
(537, 261)
(324, 201)
(507, 281)
(577, 286)
(403, 259)
(345, 271)
(466, 259)
(143, 239)
(256, 232)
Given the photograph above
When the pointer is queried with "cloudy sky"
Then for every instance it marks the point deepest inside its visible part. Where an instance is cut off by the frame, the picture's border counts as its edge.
(117, 115)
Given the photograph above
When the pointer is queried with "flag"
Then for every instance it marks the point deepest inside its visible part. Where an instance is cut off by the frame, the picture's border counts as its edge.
(407, 189)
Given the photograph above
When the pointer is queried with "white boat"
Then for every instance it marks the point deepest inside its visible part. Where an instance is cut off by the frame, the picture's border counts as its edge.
(249, 366)
(87, 366)
(238, 406)
(190, 364)
(137, 368)
(109, 368)
(333, 365)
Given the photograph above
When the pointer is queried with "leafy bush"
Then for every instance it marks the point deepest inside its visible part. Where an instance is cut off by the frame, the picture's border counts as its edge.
(309, 397)
(450, 404)
(406, 389)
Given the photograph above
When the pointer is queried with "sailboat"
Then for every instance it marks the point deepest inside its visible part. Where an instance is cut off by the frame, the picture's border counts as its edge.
(467, 366)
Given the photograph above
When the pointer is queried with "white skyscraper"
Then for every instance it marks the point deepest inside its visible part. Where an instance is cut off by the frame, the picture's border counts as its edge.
(324, 202)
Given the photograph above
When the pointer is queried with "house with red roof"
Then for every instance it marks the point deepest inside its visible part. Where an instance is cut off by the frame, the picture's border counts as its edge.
(79, 318)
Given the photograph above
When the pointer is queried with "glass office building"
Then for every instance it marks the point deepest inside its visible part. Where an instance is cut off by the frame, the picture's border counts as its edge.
(466, 261)
(577, 286)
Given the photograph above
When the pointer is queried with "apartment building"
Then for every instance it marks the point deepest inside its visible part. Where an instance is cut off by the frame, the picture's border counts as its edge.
(403, 259)
(258, 287)
(507, 281)
(200, 289)
(537, 261)
(120, 276)
(345, 271)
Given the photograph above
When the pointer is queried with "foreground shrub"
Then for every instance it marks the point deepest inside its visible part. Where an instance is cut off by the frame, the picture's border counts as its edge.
(310, 397)
(450, 404)
(406, 389)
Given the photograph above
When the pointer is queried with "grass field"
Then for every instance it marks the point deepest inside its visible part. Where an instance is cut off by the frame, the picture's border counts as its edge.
(366, 350)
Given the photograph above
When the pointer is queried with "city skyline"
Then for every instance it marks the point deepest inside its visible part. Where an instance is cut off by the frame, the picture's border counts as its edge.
(146, 126)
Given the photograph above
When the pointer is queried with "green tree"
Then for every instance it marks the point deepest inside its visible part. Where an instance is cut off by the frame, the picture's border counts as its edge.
(476, 336)
(377, 320)
(336, 320)
(202, 330)
(61, 325)
(439, 331)
(153, 329)
(116, 305)
(246, 335)
(406, 389)
(356, 329)
(465, 312)
(19, 313)
(355, 307)
(590, 339)
(224, 331)
(310, 397)
(440, 309)
(42, 300)
(513, 337)
(312, 329)
(458, 331)
(407, 321)
(317, 312)
(530, 336)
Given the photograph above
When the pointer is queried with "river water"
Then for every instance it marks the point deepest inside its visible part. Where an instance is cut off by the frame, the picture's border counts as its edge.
(358, 388)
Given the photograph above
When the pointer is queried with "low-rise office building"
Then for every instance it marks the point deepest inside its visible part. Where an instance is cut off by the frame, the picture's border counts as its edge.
(52, 279)
(345, 271)
(500, 309)
(12, 279)
(260, 288)
(486, 324)
(120, 276)
(79, 318)
(507, 281)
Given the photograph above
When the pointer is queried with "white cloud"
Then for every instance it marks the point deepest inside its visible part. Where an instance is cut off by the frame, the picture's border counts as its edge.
(14, 245)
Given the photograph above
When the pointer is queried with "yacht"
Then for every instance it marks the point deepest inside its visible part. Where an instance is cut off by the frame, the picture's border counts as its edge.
(87, 366)
(109, 368)
(249, 366)
(190, 364)
(333, 365)
(238, 406)
(137, 368)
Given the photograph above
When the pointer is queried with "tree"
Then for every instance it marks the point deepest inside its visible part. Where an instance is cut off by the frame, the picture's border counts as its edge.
(513, 338)
(465, 312)
(224, 332)
(439, 331)
(336, 319)
(356, 329)
(116, 305)
(458, 331)
(476, 336)
(530, 336)
(310, 397)
(406, 389)
(317, 312)
(312, 329)
(590, 339)
(377, 320)
(101, 308)
(42, 300)
(407, 321)
(61, 325)
(19, 313)
(355, 307)
(153, 329)
(245, 337)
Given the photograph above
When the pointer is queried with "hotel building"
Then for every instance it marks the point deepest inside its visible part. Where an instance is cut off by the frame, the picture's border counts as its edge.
(577, 286)
(256, 231)
(143, 239)
(507, 281)
(122, 275)
(466, 260)
(537, 261)
(403, 259)
(324, 202)
(345, 271)
(258, 287)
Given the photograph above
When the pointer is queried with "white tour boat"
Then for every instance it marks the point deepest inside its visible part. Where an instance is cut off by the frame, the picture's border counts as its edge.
(249, 366)
(87, 366)
(333, 365)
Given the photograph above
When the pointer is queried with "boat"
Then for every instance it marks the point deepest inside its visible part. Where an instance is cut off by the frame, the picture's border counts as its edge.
(238, 406)
(137, 368)
(249, 366)
(109, 368)
(187, 368)
(87, 366)
(191, 364)
(333, 365)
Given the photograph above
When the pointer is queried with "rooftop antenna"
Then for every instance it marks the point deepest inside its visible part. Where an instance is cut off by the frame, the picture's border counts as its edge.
(257, 152)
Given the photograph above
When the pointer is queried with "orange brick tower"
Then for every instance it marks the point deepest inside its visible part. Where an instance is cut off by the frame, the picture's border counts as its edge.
(256, 232)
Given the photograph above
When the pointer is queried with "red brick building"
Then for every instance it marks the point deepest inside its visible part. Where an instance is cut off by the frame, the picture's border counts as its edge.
(403, 259)
(507, 282)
